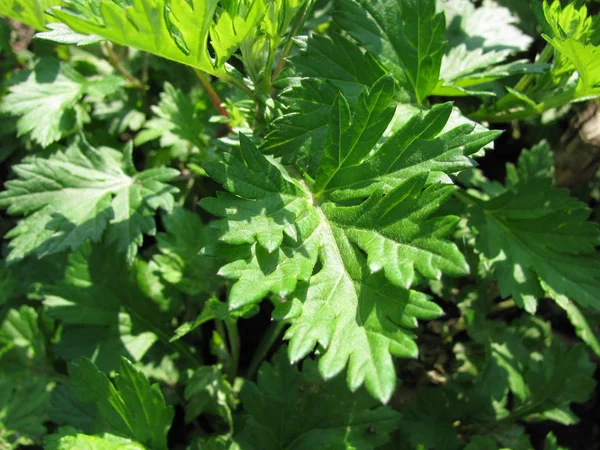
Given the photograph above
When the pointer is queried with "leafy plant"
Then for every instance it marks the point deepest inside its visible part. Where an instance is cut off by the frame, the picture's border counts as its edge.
(214, 208)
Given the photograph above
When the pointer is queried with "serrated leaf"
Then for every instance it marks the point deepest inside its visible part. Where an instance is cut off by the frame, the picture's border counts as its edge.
(296, 410)
(45, 99)
(290, 227)
(178, 30)
(104, 314)
(68, 438)
(535, 239)
(22, 343)
(132, 406)
(489, 26)
(75, 195)
(406, 36)
(175, 114)
(303, 128)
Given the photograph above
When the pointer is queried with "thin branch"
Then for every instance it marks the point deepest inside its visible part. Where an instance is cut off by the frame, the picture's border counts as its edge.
(114, 59)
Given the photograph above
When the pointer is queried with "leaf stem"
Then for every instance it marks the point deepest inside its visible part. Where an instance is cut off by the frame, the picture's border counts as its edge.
(212, 94)
(234, 346)
(265, 345)
(287, 48)
(114, 59)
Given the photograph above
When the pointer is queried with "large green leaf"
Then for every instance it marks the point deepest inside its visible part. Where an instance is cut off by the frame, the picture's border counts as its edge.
(178, 30)
(406, 36)
(535, 239)
(76, 195)
(132, 407)
(288, 409)
(104, 313)
(46, 99)
(289, 227)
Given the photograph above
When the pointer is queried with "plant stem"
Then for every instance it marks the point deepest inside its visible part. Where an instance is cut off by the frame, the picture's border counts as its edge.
(289, 41)
(212, 94)
(234, 345)
(114, 59)
(265, 345)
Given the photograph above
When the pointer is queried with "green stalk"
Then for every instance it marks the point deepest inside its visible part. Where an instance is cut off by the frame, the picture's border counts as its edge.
(234, 346)
(269, 338)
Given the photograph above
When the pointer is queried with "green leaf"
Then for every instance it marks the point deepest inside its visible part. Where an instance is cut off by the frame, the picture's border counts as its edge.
(24, 404)
(68, 438)
(132, 406)
(535, 239)
(585, 59)
(46, 99)
(62, 34)
(67, 409)
(297, 410)
(74, 196)
(289, 228)
(406, 36)
(309, 95)
(30, 12)
(208, 391)
(175, 114)
(180, 262)
(22, 343)
(25, 384)
(103, 311)
(490, 26)
(178, 30)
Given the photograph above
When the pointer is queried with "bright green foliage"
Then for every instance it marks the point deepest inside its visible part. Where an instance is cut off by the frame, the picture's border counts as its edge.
(406, 36)
(575, 40)
(341, 212)
(178, 30)
(30, 12)
(102, 331)
(47, 99)
(76, 195)
(290, 224)
(298, 410)
(132, 407)
(572, 49)
(535, 238)
(69, 439)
